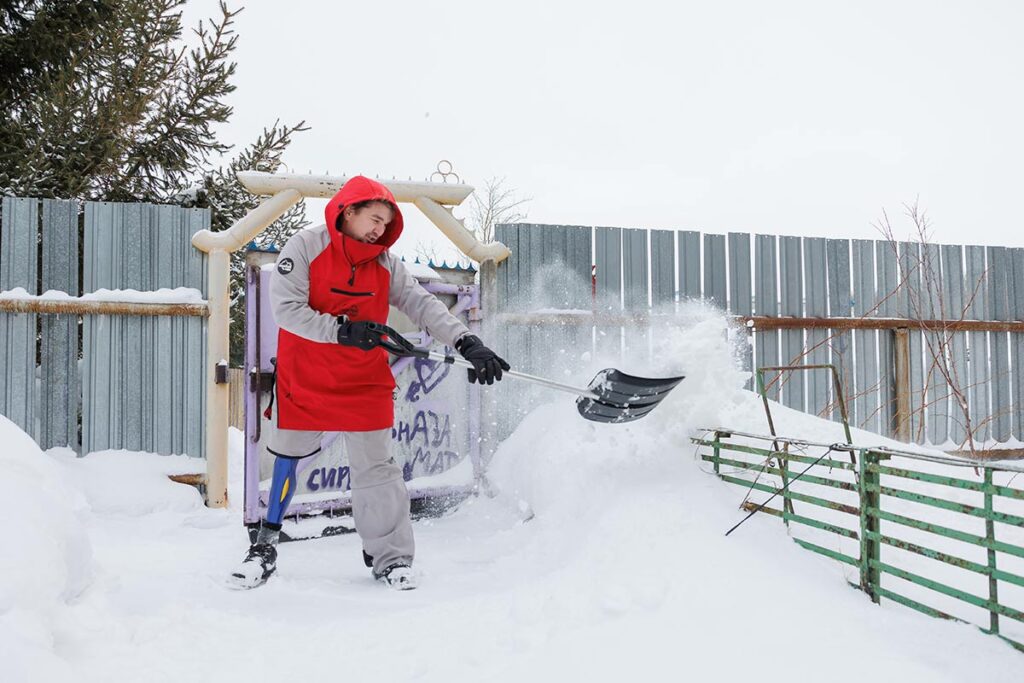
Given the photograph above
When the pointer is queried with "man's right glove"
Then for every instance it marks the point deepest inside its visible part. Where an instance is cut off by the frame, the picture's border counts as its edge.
(487, 365)
(363, 334)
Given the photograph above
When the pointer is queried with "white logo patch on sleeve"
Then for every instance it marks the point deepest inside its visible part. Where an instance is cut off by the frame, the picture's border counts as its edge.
(285, 266)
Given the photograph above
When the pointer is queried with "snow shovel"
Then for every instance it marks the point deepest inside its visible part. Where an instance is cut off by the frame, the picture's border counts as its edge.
(612, 396)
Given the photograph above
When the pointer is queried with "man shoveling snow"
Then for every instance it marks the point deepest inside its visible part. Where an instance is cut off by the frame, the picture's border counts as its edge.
(330, 293)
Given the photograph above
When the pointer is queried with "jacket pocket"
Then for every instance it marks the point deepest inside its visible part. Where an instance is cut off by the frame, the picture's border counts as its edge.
(347, 293)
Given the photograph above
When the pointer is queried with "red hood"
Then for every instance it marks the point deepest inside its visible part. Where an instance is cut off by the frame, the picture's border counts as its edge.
(360, 189)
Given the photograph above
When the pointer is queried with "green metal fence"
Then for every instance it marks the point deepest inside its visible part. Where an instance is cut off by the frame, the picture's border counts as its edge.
(860, 499)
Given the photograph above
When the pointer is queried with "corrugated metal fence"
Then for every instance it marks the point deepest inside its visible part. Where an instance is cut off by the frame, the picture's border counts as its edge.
(140, 382)
(639, 270)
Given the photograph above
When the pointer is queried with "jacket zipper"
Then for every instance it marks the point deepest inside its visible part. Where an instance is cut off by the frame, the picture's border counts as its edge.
(342, 291)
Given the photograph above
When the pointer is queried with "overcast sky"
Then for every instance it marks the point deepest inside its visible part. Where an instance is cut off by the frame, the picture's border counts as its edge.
(798, 118)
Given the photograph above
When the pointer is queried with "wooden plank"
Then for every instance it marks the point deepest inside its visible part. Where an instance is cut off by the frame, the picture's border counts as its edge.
(766, 295)
(689, 264)
(59, 333)
(18, 269)
(978, 362)
(791, 281)
(816, 304)
(663, 268)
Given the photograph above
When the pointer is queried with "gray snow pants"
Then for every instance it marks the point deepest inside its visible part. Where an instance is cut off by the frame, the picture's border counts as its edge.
(380, 501)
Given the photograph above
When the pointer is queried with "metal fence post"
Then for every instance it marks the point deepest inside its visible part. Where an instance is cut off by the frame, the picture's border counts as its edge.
(869, 547)
(990, 536)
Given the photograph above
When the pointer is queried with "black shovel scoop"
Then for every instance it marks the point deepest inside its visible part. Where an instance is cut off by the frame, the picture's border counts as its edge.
(612, 396)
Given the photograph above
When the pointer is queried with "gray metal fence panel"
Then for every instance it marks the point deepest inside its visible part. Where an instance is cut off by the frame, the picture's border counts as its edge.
(58, 362)
(816, 305)
(837, 254)
(741, 290)
(978, 368)
(714, 270)
(689, 264)
(864, 409)
(885, 307)
(766, 302)
(936, 362)
(909, 305)
(144, 377)
(663, 267)
(18, 269)
(635, 278)
(999, 343)
(608, 258)
(815, 278)
(791, 281)
(1016, 312)
(953, 307)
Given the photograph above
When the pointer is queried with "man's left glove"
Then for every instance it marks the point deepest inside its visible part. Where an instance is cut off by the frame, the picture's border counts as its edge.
(362, 334)
(487, 365)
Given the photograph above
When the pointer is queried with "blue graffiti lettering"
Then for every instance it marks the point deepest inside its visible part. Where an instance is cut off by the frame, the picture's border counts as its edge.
(428, 375)
(328, 478)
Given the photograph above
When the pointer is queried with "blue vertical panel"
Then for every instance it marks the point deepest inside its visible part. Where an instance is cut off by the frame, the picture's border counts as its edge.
(714, 270)
(59, 404)
(816, 302)
(885, 307)
(663, 268)
(634, 269)
(953, 308)
(999, 277)
(839, 306)
(864, 409)
(791, 280)
(740, 290)
(689, 264)
(766, 303)
(18, 269)
(976, 294)
(936, 362)
(1016, 312)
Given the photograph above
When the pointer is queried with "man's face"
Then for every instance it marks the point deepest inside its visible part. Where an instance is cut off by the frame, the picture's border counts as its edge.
(368, 223)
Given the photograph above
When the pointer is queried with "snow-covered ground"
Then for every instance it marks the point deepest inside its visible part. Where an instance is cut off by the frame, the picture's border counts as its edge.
(601, 558)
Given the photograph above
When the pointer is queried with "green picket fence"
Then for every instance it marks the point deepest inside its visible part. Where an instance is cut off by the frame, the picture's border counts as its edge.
(857, 495)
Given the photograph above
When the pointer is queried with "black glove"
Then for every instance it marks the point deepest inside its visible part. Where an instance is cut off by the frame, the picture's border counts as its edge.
(363, 335)
(487, 365)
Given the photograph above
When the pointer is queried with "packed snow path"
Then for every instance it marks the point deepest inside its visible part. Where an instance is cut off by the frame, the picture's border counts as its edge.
(114, 573)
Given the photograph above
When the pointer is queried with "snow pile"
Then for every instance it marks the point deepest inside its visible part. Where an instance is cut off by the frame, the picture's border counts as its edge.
(46, 561)
(601, 558)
